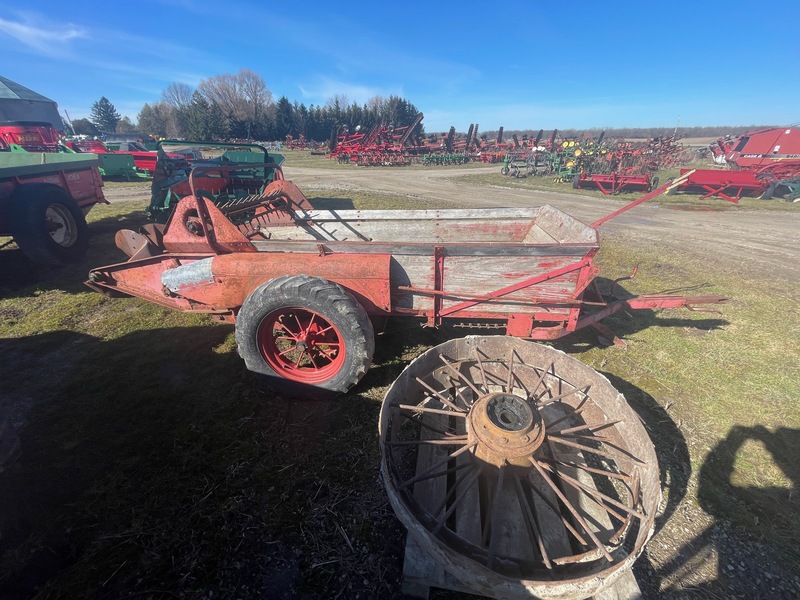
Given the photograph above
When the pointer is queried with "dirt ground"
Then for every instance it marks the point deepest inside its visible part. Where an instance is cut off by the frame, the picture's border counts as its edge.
(691, 549)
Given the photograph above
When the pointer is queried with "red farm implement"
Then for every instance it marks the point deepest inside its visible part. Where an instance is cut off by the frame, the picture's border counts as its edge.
(614, 183)
(31, 136)
(725, 184)
(762, 163)
(304, 286)
(383, 145)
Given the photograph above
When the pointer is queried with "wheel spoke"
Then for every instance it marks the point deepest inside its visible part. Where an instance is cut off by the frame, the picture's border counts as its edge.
(482, 371)
(490, 516)
(437, 465)
(572, 510)
(554, 507)
(592, 429)
(561, 396)
(461, 485)
(449, 441)
(288, 350)
(598, 451)
(460, 375)
(621, 476)
(436, 411)
(441, 398)
(597, 494)
(530, 520)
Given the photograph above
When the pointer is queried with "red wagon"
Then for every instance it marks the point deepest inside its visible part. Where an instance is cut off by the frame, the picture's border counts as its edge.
(307, 288)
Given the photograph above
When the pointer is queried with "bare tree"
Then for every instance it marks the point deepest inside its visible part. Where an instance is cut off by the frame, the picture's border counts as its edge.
(243, 96)
(178, 95)
(338, 102)
(222, 89)
(376, 103)
(255, 92)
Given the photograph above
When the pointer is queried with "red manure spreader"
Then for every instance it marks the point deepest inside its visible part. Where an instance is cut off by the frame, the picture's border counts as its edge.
(308, 288)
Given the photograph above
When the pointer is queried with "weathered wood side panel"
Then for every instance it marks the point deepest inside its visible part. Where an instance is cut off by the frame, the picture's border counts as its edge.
(478, 276)
(543, 225)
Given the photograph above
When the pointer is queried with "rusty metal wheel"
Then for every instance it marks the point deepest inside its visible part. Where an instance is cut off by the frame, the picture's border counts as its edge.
(520, 469)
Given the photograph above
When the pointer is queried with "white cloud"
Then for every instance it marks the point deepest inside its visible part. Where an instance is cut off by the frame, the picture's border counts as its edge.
(42, 37)
(325, 88)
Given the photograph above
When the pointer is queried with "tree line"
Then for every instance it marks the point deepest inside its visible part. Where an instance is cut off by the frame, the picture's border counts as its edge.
(241, 106)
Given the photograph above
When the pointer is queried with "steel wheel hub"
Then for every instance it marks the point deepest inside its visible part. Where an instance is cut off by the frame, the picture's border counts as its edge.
(505, 428)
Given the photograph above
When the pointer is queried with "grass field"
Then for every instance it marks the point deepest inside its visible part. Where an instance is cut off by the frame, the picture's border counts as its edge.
(152, 464)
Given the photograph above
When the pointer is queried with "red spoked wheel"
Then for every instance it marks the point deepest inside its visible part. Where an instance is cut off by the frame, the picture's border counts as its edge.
(305, 335)
(301, 345)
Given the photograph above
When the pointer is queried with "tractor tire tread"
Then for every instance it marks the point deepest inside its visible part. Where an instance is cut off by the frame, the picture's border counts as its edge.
(322, 296)
(28, 205)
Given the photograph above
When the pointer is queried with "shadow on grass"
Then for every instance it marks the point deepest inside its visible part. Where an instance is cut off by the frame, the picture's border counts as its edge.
(770, 510)
(324, 203)
(154, 465)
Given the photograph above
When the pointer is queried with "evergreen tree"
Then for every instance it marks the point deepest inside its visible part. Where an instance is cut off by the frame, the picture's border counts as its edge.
(284, 121)
(204, 119)
(105, 116)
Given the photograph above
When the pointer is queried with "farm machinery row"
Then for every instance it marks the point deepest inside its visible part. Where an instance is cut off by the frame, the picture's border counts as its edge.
(763, 163)
(608, 165)
(122, 160)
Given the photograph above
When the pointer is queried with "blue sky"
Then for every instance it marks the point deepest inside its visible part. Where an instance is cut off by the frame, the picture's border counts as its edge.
(522, 65)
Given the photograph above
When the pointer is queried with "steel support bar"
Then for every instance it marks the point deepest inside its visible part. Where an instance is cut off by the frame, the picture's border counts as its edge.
(518, 286)
(651, 302)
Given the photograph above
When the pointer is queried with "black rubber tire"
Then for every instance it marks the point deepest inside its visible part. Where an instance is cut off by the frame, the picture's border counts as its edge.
(653, 184)
(504, 171)
(769, 192)
(576, 181)
(31, 207)
(325, 298)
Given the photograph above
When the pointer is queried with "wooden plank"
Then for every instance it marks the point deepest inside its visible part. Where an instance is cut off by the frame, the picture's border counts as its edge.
(624, 588)
(468, 511)
(555, 538)
(533, 226)
(429, 493)
(478, 276)
(509, 532)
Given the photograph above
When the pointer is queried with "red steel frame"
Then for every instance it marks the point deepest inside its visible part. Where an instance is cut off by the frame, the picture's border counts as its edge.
(726, 184)
(614, 183)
